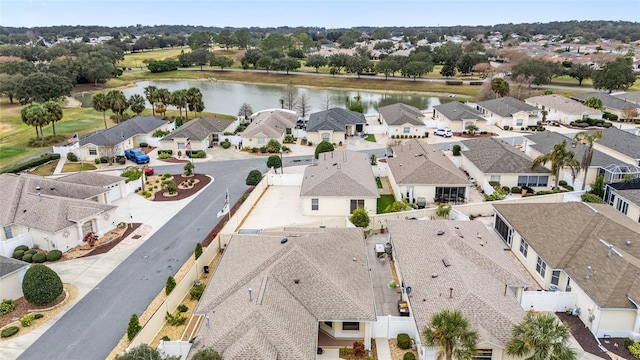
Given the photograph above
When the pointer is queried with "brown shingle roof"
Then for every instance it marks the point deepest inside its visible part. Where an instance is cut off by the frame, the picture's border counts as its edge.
(493, 156)
(340, 173)
(91, 178)
(272, 124)
(416, 162)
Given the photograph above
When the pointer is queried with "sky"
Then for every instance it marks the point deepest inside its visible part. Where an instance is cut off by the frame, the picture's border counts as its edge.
(321, 13)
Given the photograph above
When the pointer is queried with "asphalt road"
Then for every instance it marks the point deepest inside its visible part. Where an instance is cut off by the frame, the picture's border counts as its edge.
(93, 327)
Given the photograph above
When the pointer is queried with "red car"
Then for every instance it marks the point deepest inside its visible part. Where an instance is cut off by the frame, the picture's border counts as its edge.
(148, 171)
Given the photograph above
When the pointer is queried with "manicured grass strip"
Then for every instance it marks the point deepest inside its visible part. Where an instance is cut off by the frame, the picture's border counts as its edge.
(383, 202)
(378, 182)
(73, 167)
(371, 137)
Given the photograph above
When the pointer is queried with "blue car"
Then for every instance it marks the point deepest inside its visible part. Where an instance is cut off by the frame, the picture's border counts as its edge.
(137, 155)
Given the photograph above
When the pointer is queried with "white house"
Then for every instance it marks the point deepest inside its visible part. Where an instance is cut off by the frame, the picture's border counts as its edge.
(268, 125)
(563, 109)
(403, 119)
(457, 116)
(508, 112)
(334, 125)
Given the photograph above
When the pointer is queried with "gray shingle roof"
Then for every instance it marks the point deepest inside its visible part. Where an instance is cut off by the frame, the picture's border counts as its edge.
(334, 119)
(493, 156)
(545, 141)
(608, 101)
(416, 162)
(340, 173)
(506, 106)
(310, 278)
(457, 111)
(200, 128)
(567, 236)
(9, 265)
(400, 114)
(633, 96)
(563, 104)
(123, 131)
(631, 195)
(478, 272)
(91, 178)
(272, 124)
(621, 141)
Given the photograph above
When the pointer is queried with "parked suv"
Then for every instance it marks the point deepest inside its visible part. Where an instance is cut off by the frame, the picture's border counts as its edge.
(443, 132)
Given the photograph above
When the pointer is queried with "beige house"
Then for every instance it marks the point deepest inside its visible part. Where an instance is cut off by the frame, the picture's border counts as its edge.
(11, 275)
(620, 144)
(459, 265)
(51, 214)
(115, 185)
(202, 133)
(281, 295)
(340, 182)
(457, 116)
(616, 105)
(563, 109)
(334, 125)
(508, 112)
(419, 170)
(403, 119)
(624, 197)
(268, 125)
(583, 248)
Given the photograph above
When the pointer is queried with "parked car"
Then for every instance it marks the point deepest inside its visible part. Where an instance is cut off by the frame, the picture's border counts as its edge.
(137, 155)
(443, 132)
(421, 202)
(148, 171)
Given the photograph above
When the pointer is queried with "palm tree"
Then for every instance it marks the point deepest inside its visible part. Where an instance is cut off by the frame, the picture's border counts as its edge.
(560, 158)
(136, 103)
(99, 103)
(117, 103)
(194, 97)
(53, 112)
(164, 97)
(34, 115)
(544, 335)
(179, 100)
(500, 86)
(449, 330)
(151, 92)
(584, 137)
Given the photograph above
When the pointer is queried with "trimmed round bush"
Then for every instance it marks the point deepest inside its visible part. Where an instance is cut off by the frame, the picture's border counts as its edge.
(404, 341)
(18, 254)
(39, 258)
(10, 331)
(54, 255)
(562, 183)
(41, 285)
(516, 190)
(27, 257)
(31, 251)
(409, 356)
(21, 247)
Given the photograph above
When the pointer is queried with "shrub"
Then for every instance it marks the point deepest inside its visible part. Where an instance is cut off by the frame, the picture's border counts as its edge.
(323, 146)
(207, 354)
(90, 238)
(134, 327)
(254, 178)
(360, 218)
(32, 163)
(72, 157)
(144, 144)
(344, 351)
(7, 306)
(171, 284)
(562, 183)
(18, 254)
(27, 258)
(591, 198)
(634, 349)
(10, 331)
(21, 247)
(274, 162)
(505, 189)
(409, 356)
(183, 308)
(164, 155)
(628, 342)
(132, 173)
(38, 316)
(175, 320)
(516, 190)
(225, 144)
(453, 82)
(31, 251)
(165, 338)
(456, 150)
(39, 258)
(196, 291)
(41, 285)
(104, 159)
(404, 341)
(26, 320)
(200, 154)
(358, 349)
(475, 83)
(198, 252)
(188, 169)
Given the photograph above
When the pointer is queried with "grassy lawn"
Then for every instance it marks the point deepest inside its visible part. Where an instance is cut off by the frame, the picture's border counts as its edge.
(77, 166)
(383, 202)
(134, 60)
(45, 169)
(371, 137)
(566, 80)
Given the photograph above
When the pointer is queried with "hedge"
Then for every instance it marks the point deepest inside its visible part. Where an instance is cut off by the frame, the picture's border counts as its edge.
(32, 163)
(10, 331)
(453, 82)
(475, 83)
(170, 152)
(54, 255)
(41, 285)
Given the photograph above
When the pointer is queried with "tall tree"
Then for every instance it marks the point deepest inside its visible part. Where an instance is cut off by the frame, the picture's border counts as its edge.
(9, 84)
(449, 330)
(117, 103)
(290, 96)
(616, 75)
(200, 57)
(242, 38)
(339, 61)
(179, 100)
(537, 71)
(151, 93)
(245, 111)
(541, 336)
(194, 98)
(559, 158)
(416, 69)
(594, 103)
(588, 139)
(316, 61)
(580, 72)
(199, 40)
(34, 115)
(137, 103)
(304, 105)
(500, 86)
(53, 114)
(41, 87)
(99, 103)
(387, 66)
(222, 61)
(448, 69)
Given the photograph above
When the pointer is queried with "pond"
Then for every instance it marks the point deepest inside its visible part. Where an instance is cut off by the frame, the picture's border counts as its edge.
(227, 97)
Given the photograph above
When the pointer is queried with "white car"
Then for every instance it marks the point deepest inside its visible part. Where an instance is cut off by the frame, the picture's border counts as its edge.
(443, 132)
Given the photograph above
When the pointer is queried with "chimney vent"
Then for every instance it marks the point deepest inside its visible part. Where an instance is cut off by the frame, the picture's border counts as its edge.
(450, 293)
(588, 275)
(250, 296)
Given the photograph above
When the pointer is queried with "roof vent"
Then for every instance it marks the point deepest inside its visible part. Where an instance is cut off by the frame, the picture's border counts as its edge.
(296, 281)
(284, 240)
(588, 275)
(440, 232)
(446, 262)
(434, 275)
(628, 242)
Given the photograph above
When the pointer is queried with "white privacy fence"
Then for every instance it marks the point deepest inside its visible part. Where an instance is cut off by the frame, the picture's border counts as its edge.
(548, 300)
(389, 327)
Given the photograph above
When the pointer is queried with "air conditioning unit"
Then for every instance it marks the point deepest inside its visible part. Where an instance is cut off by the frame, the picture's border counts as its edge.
(553, 288)
(568, 288)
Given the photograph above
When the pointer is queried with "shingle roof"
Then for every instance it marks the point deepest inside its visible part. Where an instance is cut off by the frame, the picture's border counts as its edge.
(340, 173)
(493, 156)
(123, 131)
(631, 195)
(9, 265)
(608, 100)
(506, 106)
(416, 162)
(457, 111)
(200, 128)
(400, 114)
(310, 278)
(567, 236)
(272, 123)
(334, 119)
(544, 142)
(91, 178)
(621, 141)
(478, 272)
(633, 96)
(563, 104)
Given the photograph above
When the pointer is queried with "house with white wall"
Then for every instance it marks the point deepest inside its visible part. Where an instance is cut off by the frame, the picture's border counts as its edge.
(615, 105)
(620, 144)
(266, 125)
(457, 116)
(508, 112)
(334, 125)
(624, 196)
(201, 133)
(402, 119)
(563, 109)
(11, 275)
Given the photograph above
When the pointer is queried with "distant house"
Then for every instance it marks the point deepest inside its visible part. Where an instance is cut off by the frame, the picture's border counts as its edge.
(620, 144)
(282, 295)
(418, 169)
(508, 112)
(459, 265)
(115, 185)
(457, 116)
(581, 250)
(632, 96)
(115, 140)
(624, 196)
(562, 109)
(201, 133)
(51, 214)
(615, 105)
(334, 125)
(402, 119)
(341, 182)
(268, 125)
(491, 161)
(11, 275)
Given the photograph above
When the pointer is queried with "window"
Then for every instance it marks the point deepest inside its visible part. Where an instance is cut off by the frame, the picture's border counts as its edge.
(533, 181)
(351, 326)
(524, 247)
(483, 354)
(541, 267)
(93, 151)
(446, 194)
(262, 141)
(356, 204)
(519, 122)
(406, 130)
(181, 146)
(326, 137)
(555, 277)
(315, 204)
(329, 323)
(8, 234)
(87, 227)
(622, 206)
(504, 230)
(495, 178)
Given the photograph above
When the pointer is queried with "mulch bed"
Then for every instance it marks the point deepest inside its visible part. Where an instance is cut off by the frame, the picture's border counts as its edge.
(147, 149)
(23, 307)
(582, 334)
(619, 350)
(204, 180)
(173, 160)
(111, 244)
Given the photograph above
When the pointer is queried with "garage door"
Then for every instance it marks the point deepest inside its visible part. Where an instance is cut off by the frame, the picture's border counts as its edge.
(114, 192)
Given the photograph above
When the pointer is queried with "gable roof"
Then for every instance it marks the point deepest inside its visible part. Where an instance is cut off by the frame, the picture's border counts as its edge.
(400, 114)
(608, 100)
(294, 285)
(563, 104)
(91, 178)
(334, 119)
(272, 124)
(493, 156)
(506, 106)
(200, 128)
(633, 195)
(567, 236)
(9, 265)
(416, 162)
(478, 272)
(621, 141)
(340, 173)
(123, 131)
(457, 111)
(633, 96)
(546, 140)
